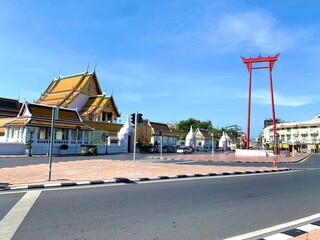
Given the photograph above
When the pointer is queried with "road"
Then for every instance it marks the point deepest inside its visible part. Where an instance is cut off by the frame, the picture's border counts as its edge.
(204, 208)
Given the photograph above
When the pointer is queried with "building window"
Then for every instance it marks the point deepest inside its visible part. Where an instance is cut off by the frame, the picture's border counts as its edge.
(42, 134)
(61, 134)
(109, 116)
(86, 135)
(74, 134)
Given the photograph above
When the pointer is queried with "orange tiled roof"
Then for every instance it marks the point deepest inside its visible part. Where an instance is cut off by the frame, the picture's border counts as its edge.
(203, 134)
(3, 121)
(41, 115)
(157, 127)
(160, 126)
(47, 123)
(46, 112)
(97, 104)
(111, 127)
(17, 122)
(62, 91)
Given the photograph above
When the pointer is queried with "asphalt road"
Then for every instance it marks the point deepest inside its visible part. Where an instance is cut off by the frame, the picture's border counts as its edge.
(202, 208)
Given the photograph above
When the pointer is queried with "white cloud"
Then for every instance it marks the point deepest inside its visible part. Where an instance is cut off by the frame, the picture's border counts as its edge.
(255, 30)
(263, 97)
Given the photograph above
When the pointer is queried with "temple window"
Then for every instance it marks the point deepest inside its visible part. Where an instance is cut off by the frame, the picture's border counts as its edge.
(42, 133)
(109, 116)
(61, 134)
(104, 116)
(11, 132)
(74, 134)
(86, 135)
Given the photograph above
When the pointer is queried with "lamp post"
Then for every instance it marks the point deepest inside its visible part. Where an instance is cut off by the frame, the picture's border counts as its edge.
(212, 148)
(160, 134)
(55, 115)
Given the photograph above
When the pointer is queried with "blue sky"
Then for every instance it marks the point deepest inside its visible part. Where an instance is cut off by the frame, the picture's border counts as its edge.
(170, 60)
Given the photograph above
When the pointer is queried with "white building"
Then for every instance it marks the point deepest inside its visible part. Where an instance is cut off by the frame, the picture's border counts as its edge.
(302, 136)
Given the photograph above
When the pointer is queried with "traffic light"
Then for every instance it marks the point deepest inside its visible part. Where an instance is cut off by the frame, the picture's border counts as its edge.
(139, 118)
(133, 118)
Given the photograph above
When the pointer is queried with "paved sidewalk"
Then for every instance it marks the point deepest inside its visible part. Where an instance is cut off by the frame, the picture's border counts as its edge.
(103, 169)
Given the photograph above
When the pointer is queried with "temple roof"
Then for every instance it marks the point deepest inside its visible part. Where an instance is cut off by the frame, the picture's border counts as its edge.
(65, 90)
(157, 127)
(203, 134)
(37, 115)
(62, 91)
(112, 128)
(9, 107)
(97, 104)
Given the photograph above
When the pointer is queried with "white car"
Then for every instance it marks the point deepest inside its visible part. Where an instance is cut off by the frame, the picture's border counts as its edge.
(184, 150)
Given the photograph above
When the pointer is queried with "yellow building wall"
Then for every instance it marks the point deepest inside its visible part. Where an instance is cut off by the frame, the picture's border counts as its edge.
(144, 133)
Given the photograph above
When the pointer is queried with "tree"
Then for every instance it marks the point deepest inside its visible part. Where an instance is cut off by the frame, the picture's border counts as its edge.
(185, 125)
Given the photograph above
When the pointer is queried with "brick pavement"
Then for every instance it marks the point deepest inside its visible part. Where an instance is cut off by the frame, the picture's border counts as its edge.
(104, 168)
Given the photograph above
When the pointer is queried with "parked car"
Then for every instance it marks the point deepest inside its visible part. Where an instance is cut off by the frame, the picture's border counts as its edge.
(184, 150)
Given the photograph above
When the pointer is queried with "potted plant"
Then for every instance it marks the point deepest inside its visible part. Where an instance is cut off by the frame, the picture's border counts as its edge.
(64, 148)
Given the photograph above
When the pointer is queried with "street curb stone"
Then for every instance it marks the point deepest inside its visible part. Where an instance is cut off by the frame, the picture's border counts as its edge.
(142, 179)
(295, 232)
(221, 161)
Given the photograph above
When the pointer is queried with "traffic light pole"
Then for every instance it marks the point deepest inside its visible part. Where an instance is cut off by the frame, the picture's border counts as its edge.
(135, 137)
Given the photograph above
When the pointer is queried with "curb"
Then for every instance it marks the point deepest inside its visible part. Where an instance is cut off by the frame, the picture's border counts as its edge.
(292, 233)
(126, 180)
(221, 161)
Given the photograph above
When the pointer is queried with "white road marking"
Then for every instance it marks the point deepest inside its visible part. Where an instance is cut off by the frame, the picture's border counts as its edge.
(275, 228)
(10, 223)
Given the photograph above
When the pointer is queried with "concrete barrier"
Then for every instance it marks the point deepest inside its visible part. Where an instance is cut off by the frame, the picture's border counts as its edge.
(256, 153)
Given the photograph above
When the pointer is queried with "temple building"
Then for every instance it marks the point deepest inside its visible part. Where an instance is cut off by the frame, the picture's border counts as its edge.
(86, 115)
(32, 127)
(153, 133)
(82, 92)
(9, 109)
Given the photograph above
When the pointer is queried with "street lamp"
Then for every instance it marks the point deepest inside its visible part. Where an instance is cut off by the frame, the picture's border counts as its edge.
(212, 147)
(160, 134)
